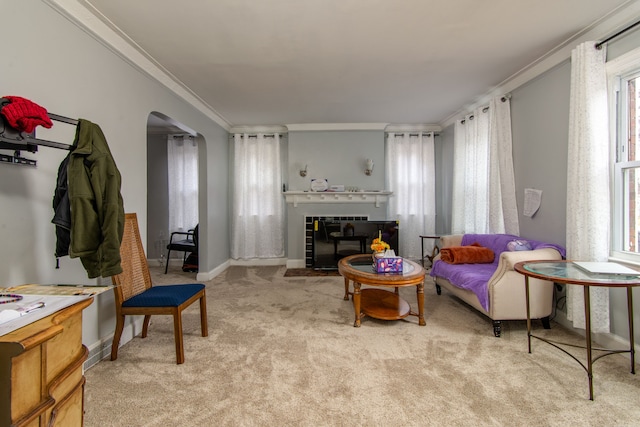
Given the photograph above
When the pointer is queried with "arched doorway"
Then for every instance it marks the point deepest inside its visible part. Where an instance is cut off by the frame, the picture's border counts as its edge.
(160, 129)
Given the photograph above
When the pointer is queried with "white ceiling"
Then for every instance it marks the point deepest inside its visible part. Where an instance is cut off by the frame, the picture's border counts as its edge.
(279, 62)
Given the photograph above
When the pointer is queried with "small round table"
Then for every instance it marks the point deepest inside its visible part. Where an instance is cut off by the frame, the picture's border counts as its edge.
(435, 251)
(378, 303)
(569, 273)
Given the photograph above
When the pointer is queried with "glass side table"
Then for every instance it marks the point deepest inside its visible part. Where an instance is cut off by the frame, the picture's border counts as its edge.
(568, 273)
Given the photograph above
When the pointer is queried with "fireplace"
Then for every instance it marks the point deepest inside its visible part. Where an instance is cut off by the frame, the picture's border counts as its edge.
(330, 238)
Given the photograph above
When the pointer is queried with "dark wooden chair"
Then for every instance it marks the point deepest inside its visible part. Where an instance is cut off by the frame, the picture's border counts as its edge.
(135, 294)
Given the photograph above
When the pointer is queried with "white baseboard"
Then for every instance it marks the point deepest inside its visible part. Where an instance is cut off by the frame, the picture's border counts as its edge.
(102, 349)
(208, 275)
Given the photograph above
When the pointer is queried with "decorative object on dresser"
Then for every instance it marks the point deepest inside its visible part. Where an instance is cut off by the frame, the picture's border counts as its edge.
(493, 287)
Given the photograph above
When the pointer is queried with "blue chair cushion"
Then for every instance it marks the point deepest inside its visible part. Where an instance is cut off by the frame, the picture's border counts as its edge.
(164, 296)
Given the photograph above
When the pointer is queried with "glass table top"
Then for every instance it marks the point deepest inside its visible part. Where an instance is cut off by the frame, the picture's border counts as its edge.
(571, 272)
(366, 266)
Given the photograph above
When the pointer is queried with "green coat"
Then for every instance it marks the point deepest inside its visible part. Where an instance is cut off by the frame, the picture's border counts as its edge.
(97, 210)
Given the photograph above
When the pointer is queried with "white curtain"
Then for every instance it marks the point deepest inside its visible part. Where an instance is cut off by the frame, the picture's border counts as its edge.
(503, 209)
(458, 183)
(471, 174)
(257, 222)
(182, 165)
(588, 198)
(484, 199)
(411, 178)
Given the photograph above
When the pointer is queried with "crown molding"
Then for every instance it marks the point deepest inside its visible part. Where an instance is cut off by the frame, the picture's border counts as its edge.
(259, 129)
(616, 20)
(412, 128)
(307, 127)
(82, 14)
(319, 127)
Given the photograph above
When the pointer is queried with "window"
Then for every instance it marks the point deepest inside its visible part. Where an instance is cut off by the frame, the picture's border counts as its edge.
(624, 75)
(182, 174)
(257, 221)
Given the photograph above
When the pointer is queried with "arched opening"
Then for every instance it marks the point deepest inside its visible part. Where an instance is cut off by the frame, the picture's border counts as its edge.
(160, 130)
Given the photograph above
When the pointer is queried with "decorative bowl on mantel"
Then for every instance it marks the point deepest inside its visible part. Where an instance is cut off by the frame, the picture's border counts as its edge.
(319, 185)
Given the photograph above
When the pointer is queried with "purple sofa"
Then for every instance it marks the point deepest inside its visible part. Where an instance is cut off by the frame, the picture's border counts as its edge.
(496, 289)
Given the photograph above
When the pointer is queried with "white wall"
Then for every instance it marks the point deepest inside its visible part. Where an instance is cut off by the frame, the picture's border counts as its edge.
(59, 66)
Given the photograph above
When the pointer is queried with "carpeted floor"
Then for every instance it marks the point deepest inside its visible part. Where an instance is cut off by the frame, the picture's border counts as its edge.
(284, 352)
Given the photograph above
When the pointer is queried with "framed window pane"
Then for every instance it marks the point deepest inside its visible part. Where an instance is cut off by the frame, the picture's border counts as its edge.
(632, 119)
(630, 206)
(624, 80)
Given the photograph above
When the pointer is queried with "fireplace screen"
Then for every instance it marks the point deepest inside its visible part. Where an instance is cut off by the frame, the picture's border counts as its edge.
(331, 238)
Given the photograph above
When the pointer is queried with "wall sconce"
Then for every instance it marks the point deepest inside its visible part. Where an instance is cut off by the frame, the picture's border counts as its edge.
(369, 167)
(303, 172)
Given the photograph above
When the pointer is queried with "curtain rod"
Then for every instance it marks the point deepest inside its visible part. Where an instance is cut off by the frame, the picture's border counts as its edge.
(254, 135)
(619, 33)
(415, 133)
(504, 98)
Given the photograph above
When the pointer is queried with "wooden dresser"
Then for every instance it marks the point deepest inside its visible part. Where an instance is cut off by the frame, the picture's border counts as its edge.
(41, 371)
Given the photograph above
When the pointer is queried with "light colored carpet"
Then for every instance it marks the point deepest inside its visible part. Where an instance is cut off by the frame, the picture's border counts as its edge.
(284, 352)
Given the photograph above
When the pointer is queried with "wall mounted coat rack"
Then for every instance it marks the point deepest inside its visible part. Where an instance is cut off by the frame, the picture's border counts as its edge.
(13, 139)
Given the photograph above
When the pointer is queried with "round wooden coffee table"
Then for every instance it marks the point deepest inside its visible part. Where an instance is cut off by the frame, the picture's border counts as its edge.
(379, 303)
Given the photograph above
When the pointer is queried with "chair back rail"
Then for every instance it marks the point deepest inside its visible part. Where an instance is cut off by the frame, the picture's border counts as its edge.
(135, 277)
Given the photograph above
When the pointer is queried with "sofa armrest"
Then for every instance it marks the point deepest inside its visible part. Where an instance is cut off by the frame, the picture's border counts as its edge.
(506, 287)
(447, 241)
(509, 259)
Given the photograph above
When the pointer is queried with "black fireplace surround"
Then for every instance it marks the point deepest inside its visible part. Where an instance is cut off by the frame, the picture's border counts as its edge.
(330, 238)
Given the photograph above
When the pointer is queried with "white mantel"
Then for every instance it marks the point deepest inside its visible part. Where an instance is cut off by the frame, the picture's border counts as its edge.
(375, 197)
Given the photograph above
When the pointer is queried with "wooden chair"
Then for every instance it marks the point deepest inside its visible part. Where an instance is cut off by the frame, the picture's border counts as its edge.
(135, 294)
